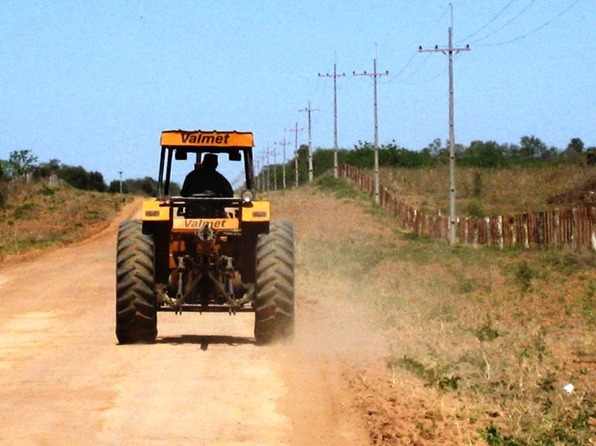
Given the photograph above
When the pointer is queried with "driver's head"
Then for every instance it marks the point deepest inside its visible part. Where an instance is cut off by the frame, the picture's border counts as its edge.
(210, 161)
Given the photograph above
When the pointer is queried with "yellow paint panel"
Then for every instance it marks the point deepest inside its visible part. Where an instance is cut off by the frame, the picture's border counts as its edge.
(260, 211)
(152, 211)
(198, 138)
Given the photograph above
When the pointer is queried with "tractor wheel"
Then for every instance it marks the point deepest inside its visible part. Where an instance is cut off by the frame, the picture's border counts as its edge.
(274, 303)
(136, 316)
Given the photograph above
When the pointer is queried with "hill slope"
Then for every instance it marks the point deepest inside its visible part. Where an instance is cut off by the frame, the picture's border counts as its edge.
(36, 216)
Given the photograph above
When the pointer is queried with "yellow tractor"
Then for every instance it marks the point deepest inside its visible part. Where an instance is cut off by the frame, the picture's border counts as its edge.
(202, 250)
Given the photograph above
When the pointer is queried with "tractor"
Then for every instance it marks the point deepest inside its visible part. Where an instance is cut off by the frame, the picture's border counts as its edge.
(204, 252)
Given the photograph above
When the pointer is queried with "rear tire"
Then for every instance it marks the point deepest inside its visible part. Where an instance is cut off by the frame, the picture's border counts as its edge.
(136, 316)
(274, 303)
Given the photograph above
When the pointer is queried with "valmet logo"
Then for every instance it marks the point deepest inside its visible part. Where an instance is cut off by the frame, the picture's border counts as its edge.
(205, 138)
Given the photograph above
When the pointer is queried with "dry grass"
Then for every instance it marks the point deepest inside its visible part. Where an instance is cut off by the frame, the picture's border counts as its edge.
(502, 332)
(37, 216)
(479, 324)
(489, 191)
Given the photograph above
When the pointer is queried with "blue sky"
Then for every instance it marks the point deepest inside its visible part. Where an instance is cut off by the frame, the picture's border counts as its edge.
(93, 83)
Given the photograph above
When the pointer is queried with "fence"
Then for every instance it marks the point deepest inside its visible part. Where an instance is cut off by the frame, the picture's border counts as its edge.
(575, 227)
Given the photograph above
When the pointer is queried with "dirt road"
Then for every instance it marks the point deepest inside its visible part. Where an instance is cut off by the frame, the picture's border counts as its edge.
(64, 380)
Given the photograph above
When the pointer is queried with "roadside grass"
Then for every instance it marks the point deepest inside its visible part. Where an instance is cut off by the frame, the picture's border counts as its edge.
(482, 192)
(506, 331)
(36, 216)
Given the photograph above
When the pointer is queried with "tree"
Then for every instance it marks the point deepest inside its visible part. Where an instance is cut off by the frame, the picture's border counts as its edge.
(96, 182)
(114, 187)
(576, 145)
(574, 153)
(21, 162)
(591, 156)
(483, 154)
(45, 170)
(79, 178)
(434, 148)
(140, 186)
(532, 148)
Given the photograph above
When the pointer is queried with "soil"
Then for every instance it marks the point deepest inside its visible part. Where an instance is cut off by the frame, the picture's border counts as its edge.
(65, 380)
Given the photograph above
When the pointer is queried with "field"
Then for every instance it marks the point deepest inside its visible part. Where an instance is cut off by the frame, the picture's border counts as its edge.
(483, 192)
(440, 345)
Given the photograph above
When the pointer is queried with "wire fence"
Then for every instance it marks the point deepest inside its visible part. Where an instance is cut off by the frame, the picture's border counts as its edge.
(573, 227)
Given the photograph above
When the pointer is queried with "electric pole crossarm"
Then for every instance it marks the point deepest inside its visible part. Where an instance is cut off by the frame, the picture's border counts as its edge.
(446, 50)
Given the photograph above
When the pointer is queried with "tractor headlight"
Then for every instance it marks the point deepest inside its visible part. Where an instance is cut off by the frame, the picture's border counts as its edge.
(247, 196)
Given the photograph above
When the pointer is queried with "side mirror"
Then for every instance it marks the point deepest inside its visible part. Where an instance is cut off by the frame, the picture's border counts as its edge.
(181, 155)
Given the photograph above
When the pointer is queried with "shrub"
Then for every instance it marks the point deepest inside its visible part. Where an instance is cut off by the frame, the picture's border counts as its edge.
(524, 273)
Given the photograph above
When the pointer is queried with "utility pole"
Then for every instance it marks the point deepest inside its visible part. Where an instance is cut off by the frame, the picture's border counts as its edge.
(449, 51)
(274, 166)
(257, 174)
(334, 76)
(375, 75)
(263, 173)
(283, 144)
(310, 166)
(268, 176)
(295, 130)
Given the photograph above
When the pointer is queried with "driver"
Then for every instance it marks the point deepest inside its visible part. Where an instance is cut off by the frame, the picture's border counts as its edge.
(206, 179)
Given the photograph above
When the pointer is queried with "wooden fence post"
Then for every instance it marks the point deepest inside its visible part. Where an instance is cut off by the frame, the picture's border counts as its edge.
(500, 231)
(476, 232)
(526, 230)
(574, 229)
(488, 231)
(540, 230)
(557, 226)
(513, 230)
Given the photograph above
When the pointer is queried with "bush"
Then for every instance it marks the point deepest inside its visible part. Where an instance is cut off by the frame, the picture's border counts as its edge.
(524, 273)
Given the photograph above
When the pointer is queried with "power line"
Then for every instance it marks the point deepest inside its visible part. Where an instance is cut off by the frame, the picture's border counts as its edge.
(535, 30)
(375, 75)
(395, 78)
(506, 24)
(491, 20)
